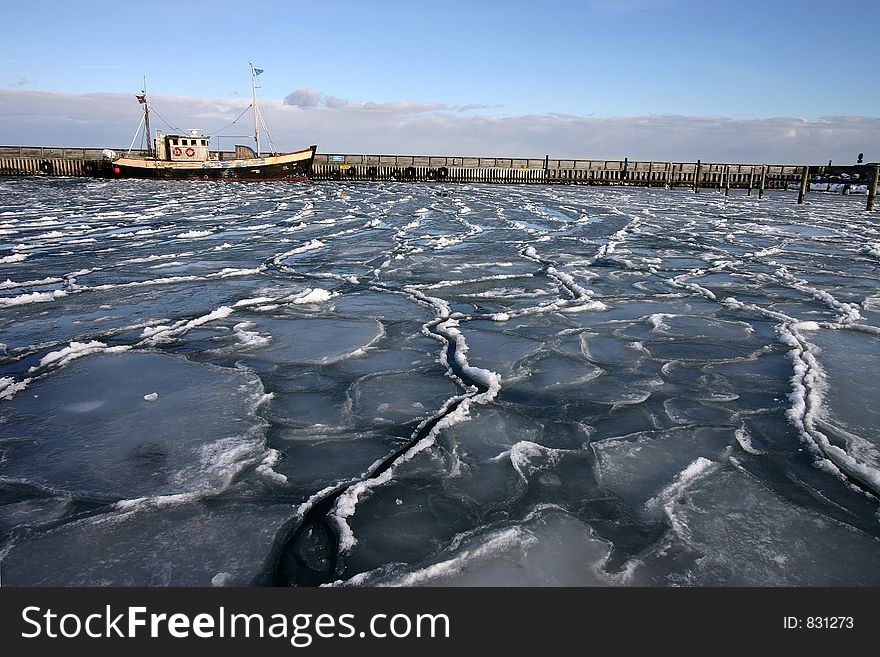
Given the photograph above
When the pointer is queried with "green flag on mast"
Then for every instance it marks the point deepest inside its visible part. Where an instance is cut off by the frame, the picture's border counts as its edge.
(257, 71)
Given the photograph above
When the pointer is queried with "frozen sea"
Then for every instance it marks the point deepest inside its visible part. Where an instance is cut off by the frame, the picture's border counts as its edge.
(429, 384)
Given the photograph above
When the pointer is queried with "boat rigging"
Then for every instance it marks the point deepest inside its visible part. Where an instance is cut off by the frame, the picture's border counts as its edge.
(188, 156)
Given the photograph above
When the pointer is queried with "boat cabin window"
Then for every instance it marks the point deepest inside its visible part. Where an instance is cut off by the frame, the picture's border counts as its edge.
(177, 141)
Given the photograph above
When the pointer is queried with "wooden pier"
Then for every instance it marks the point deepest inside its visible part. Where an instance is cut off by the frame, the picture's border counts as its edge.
(696, 176)
(37, 160)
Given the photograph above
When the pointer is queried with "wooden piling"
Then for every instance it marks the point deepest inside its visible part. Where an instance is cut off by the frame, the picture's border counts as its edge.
(872, 189)
(697, 178)
(751, 179)
(763, 181)
(805, 179)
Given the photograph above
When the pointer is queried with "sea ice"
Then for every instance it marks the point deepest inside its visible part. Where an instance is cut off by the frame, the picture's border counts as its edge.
(549, 548)
(638, 468)
(105, 439)
(150, 547)
(729, 530)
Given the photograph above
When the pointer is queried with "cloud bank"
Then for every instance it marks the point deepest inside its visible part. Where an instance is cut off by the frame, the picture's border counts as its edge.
(338, 125)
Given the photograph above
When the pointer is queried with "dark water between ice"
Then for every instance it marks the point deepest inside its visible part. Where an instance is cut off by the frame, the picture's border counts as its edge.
(435, 384)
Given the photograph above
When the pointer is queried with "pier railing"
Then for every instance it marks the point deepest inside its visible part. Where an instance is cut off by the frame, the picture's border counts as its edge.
(546, 170)
(36, 160)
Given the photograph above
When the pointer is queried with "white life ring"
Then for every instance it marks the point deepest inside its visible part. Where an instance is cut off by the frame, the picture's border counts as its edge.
(190, 152)
(177, 151)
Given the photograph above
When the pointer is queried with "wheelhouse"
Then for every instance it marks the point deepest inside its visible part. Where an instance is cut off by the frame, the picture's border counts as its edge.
(183, 148)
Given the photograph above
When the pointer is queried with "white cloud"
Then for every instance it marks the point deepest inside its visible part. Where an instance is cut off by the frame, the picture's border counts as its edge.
(333, 101)
(308, 98)
(407, 127)
(303, 98)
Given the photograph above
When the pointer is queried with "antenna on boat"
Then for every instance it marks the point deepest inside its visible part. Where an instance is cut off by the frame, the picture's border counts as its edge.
(254, 73)
(147, 119)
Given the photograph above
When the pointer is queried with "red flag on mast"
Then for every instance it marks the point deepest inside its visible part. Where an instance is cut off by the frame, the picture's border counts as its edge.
(142, 98)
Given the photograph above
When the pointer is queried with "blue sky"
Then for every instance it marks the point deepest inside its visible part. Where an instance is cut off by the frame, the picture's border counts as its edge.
(742, 61)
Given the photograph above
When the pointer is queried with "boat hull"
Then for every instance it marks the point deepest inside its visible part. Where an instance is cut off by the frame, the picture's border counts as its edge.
(295, 167)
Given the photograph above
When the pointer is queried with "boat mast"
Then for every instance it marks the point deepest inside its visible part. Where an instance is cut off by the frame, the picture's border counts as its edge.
(147, 121)
(256, 111)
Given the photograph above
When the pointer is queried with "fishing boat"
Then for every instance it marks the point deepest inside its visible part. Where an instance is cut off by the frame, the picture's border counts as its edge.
(188, 156)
